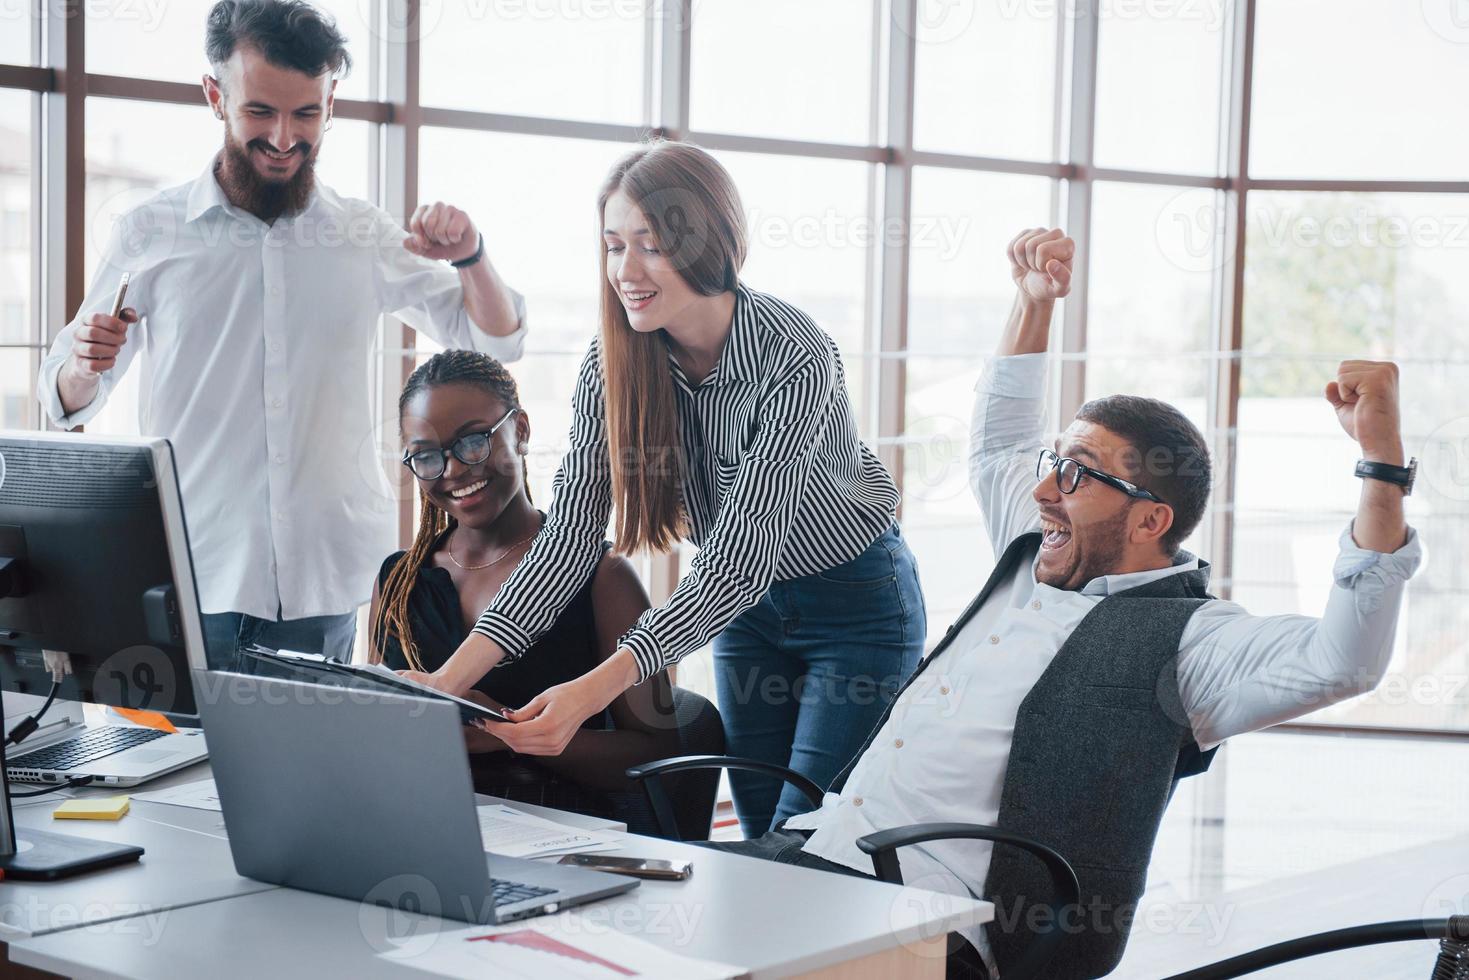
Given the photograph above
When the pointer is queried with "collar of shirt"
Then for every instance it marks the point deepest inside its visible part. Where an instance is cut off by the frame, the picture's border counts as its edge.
(205, 195)
(738, 360)
(1105, 585)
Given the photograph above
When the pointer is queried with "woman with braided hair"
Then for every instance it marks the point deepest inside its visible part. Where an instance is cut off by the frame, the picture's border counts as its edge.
(466, 436)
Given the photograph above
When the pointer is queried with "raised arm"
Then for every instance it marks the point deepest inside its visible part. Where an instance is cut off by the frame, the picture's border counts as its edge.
(1239, 673)
(1009, 404)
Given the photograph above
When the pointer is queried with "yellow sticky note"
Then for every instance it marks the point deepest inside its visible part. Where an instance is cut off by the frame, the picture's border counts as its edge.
(97, 808)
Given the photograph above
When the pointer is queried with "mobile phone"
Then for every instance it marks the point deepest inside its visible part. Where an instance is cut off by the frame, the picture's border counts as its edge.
(122, 292)
(635, 867)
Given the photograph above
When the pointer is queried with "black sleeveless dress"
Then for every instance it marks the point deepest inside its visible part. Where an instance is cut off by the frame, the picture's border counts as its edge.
(567, 651)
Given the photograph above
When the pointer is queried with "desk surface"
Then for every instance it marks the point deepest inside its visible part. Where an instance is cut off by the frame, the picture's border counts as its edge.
(186, 861)
(182, 911)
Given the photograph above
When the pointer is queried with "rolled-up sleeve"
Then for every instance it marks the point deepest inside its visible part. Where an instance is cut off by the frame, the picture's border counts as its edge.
(1004, 442)
(737, 561)
(1238, 672)
(428, 297)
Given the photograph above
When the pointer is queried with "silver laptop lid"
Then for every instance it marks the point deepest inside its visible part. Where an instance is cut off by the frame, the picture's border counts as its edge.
(350, 793)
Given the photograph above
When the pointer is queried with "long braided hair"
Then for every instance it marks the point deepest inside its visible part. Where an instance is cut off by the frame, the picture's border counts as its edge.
(449, 367)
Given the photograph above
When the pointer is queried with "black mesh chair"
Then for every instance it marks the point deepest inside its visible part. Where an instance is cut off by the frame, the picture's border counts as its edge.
(687, 801)
(1452, 935)
(883, 845)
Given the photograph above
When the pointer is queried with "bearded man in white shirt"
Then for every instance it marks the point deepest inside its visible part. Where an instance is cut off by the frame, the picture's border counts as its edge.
(1094, 670)
(255, 295)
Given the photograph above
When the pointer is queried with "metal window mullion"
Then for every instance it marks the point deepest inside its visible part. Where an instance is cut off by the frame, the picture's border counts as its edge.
(1080, 143)
(1230, 284)
(893, 256)
(400, 73)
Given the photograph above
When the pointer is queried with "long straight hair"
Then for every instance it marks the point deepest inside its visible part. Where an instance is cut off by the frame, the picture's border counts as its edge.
(694, 214)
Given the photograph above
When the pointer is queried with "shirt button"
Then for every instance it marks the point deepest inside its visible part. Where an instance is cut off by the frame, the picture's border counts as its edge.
(280, 458)
(898, 744)
(275, 403)
(944, 690)
(275, 345)
(857, 801)
(1036, 604)
(275, 290)
(994, 638)
(280, 515)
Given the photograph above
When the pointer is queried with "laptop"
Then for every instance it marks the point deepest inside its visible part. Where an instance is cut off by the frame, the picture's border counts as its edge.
(113, 755)
(367, 796)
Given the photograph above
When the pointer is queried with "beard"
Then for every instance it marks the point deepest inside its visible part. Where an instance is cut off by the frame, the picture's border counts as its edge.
(1099, 555)
(266, 199)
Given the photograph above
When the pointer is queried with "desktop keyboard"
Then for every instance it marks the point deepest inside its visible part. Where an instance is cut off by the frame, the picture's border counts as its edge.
(505, 892)
(89, 746)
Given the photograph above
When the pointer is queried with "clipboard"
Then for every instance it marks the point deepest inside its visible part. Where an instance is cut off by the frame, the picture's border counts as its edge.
(366, 677)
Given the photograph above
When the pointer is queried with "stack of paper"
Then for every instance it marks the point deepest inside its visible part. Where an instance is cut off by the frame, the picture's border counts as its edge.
(563, 946)
(201, 795)
(511, 833)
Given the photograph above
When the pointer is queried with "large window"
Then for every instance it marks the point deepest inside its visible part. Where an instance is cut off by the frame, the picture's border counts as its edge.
(885, 151)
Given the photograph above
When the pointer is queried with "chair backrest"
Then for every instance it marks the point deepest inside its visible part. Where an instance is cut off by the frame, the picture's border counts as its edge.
(692, 793)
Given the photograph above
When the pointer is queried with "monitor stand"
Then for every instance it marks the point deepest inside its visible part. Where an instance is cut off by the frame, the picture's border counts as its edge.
(39, 855)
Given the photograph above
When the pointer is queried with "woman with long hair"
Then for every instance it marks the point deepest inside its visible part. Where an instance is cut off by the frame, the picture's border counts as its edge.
(706, 410)
(466, 437)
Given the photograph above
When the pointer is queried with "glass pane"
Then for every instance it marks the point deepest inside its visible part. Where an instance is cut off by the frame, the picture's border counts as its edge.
(16, 26)
(123, 172)
(970, 57)
(1142, 125)
(166, 40)
(1151, 270)
(16, 187)
(811, 236)
(1336, 276)
(580, 60)
(776, 68)
(941, 518)
(18, 407)
(959, 285)
(1360, 88)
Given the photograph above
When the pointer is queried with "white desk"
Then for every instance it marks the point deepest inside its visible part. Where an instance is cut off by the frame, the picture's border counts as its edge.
(774, 920)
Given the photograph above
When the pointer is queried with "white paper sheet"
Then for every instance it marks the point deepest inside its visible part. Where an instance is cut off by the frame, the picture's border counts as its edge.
(512, 833)
(200, 795)
(568, 945)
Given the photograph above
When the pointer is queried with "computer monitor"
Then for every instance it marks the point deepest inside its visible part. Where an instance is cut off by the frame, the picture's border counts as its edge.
(94, 563)
(95, 566)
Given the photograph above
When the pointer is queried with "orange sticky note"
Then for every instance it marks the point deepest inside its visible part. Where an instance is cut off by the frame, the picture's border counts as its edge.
(148, 719)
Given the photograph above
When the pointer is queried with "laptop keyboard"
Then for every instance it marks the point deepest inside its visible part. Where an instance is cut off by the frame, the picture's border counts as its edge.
(504, 892)
(94, 744)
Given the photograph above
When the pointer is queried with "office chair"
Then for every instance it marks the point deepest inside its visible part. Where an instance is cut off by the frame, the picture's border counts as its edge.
(1452, 935)
(684, 809)
(883, 845)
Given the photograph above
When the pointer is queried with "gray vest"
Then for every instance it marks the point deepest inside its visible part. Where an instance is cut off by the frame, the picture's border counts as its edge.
(1100, 742)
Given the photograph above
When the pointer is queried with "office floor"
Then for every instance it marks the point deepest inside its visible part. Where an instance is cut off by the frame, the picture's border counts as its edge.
(1291, 834)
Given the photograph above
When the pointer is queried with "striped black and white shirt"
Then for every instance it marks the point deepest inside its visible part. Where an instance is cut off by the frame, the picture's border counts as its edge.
(776, 485)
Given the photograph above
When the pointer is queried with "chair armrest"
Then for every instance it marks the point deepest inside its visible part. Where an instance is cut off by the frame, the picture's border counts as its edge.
(650, 774)
(883, 847)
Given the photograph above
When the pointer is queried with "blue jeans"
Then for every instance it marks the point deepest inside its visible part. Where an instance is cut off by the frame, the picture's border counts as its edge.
(226, 633)
(806, 673)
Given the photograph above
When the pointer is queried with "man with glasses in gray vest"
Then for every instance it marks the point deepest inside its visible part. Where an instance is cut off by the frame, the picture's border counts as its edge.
(1094, 669)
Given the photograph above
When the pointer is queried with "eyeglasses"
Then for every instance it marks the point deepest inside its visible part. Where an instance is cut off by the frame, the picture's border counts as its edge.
(469, 449)
(1069, 473)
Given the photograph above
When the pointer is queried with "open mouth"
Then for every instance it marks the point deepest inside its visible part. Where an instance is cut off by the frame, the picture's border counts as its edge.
(639, 300)
(1053, 535)
(470, 492)
(274, 156)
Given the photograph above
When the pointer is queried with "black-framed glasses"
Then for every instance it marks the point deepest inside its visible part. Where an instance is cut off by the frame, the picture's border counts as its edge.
(1069, 473)
(469, 449)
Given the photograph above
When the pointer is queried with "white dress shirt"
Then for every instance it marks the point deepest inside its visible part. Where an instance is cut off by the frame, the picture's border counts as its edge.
(256, 350)
(942, 754)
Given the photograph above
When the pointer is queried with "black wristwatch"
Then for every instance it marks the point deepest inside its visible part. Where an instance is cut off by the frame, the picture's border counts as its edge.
(1403, 476)
(479, 253)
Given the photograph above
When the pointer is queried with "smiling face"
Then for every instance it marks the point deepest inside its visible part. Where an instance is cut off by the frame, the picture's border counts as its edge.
(476, 495)
(274, 122)
(651, 290)
(1098, 529)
